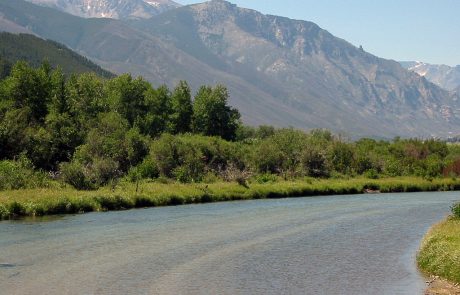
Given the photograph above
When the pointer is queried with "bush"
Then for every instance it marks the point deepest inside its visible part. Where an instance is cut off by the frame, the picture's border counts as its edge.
(73, 173)
(266, 178)
(146, 170)
(456, 210)
(183, 174)
(371, 174)
(211, 177)
(20, 174)
(4, 212)
(89, 176)
(188, 158)
(233, 173)
(315, 162)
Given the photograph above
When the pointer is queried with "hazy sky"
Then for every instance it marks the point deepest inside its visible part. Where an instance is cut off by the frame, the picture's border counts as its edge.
(424, 30)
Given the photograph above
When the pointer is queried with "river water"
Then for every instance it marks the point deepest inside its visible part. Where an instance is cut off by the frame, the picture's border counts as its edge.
(357, 244)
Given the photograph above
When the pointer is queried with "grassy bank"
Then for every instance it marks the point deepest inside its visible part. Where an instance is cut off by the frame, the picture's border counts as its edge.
(440, 251)
(37, 202)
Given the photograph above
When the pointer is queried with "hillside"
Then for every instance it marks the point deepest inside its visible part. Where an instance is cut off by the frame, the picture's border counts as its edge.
(35, 50)
(279, 71)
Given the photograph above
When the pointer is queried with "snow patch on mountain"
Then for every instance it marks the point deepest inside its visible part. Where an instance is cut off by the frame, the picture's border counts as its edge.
(442, 75)
(118, 9)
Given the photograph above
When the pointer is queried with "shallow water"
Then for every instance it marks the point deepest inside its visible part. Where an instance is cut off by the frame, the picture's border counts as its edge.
(360, 244)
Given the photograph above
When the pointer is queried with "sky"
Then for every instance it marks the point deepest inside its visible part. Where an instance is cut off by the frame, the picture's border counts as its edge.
(403, 30)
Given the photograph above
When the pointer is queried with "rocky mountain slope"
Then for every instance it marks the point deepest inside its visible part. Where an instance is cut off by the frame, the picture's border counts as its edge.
(279, 71)
(118, 9)
(442, 75)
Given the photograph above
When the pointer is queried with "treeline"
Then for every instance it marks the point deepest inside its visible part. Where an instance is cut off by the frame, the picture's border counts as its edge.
(88, 132)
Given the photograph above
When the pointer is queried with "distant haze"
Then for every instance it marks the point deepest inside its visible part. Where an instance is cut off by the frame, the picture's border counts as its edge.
(425, 30)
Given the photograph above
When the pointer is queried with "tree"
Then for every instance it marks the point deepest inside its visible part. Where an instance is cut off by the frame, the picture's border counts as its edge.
(5, 68)
(28, 87)
(211, 114)
(182, 109)
(126, 96)
(87, 99)
(157, 111)
(341, 157)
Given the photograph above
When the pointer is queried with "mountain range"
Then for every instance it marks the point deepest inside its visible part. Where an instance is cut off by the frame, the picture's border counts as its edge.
(442, 75)
(118, 9)
(279, 71)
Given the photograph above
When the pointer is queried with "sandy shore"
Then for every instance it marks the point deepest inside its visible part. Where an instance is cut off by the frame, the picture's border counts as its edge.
(437, 286)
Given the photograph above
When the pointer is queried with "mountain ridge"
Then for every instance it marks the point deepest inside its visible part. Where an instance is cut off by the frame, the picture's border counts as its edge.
(117, 9)
(444, 76)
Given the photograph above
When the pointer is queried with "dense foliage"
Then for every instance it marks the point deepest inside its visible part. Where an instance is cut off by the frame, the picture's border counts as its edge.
(89, 132)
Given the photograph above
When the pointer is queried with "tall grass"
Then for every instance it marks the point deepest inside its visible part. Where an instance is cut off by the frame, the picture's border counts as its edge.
(440, 251)
(37, 202)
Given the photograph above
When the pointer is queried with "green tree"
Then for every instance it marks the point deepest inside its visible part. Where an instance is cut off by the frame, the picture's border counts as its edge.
(182, 109)
(30, 88)
(157, 111)
(126, 96)
(87, 99)
(5, 68)
(211, 114)
(341, 157)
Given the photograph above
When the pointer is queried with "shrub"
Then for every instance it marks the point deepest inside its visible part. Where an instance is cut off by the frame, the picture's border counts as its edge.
(456, 210)
(20, 174)
(266, 178)
(188, 158)
(371, 174)
(183, 174)
(4, 212)
(101, 171)
(315, 162)
(453, 169)
(73, 173)
(146, 170)
(211, 177)
(233, 173)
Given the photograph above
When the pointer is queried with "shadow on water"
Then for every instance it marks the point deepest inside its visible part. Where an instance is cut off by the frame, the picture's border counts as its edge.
(7, 265)
(35, 219)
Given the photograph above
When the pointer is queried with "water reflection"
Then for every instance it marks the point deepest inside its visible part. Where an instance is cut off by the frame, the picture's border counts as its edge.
(32, 219)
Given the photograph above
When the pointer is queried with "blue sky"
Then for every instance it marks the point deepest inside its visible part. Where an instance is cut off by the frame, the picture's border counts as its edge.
(424, 30)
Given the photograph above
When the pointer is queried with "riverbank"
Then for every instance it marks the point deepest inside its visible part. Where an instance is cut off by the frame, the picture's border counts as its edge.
(439, 257)
(39, 202)
(438, 286)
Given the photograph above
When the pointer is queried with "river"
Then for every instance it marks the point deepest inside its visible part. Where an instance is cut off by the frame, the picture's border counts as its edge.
(356, 244)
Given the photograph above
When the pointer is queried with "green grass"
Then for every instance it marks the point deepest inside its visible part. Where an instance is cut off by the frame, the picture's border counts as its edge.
(440, 251)
(38, 202)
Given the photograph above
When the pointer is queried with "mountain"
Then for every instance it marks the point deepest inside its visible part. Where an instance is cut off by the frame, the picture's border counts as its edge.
(442, 75)
(118, 9)
(279, 71)
(35, 50)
